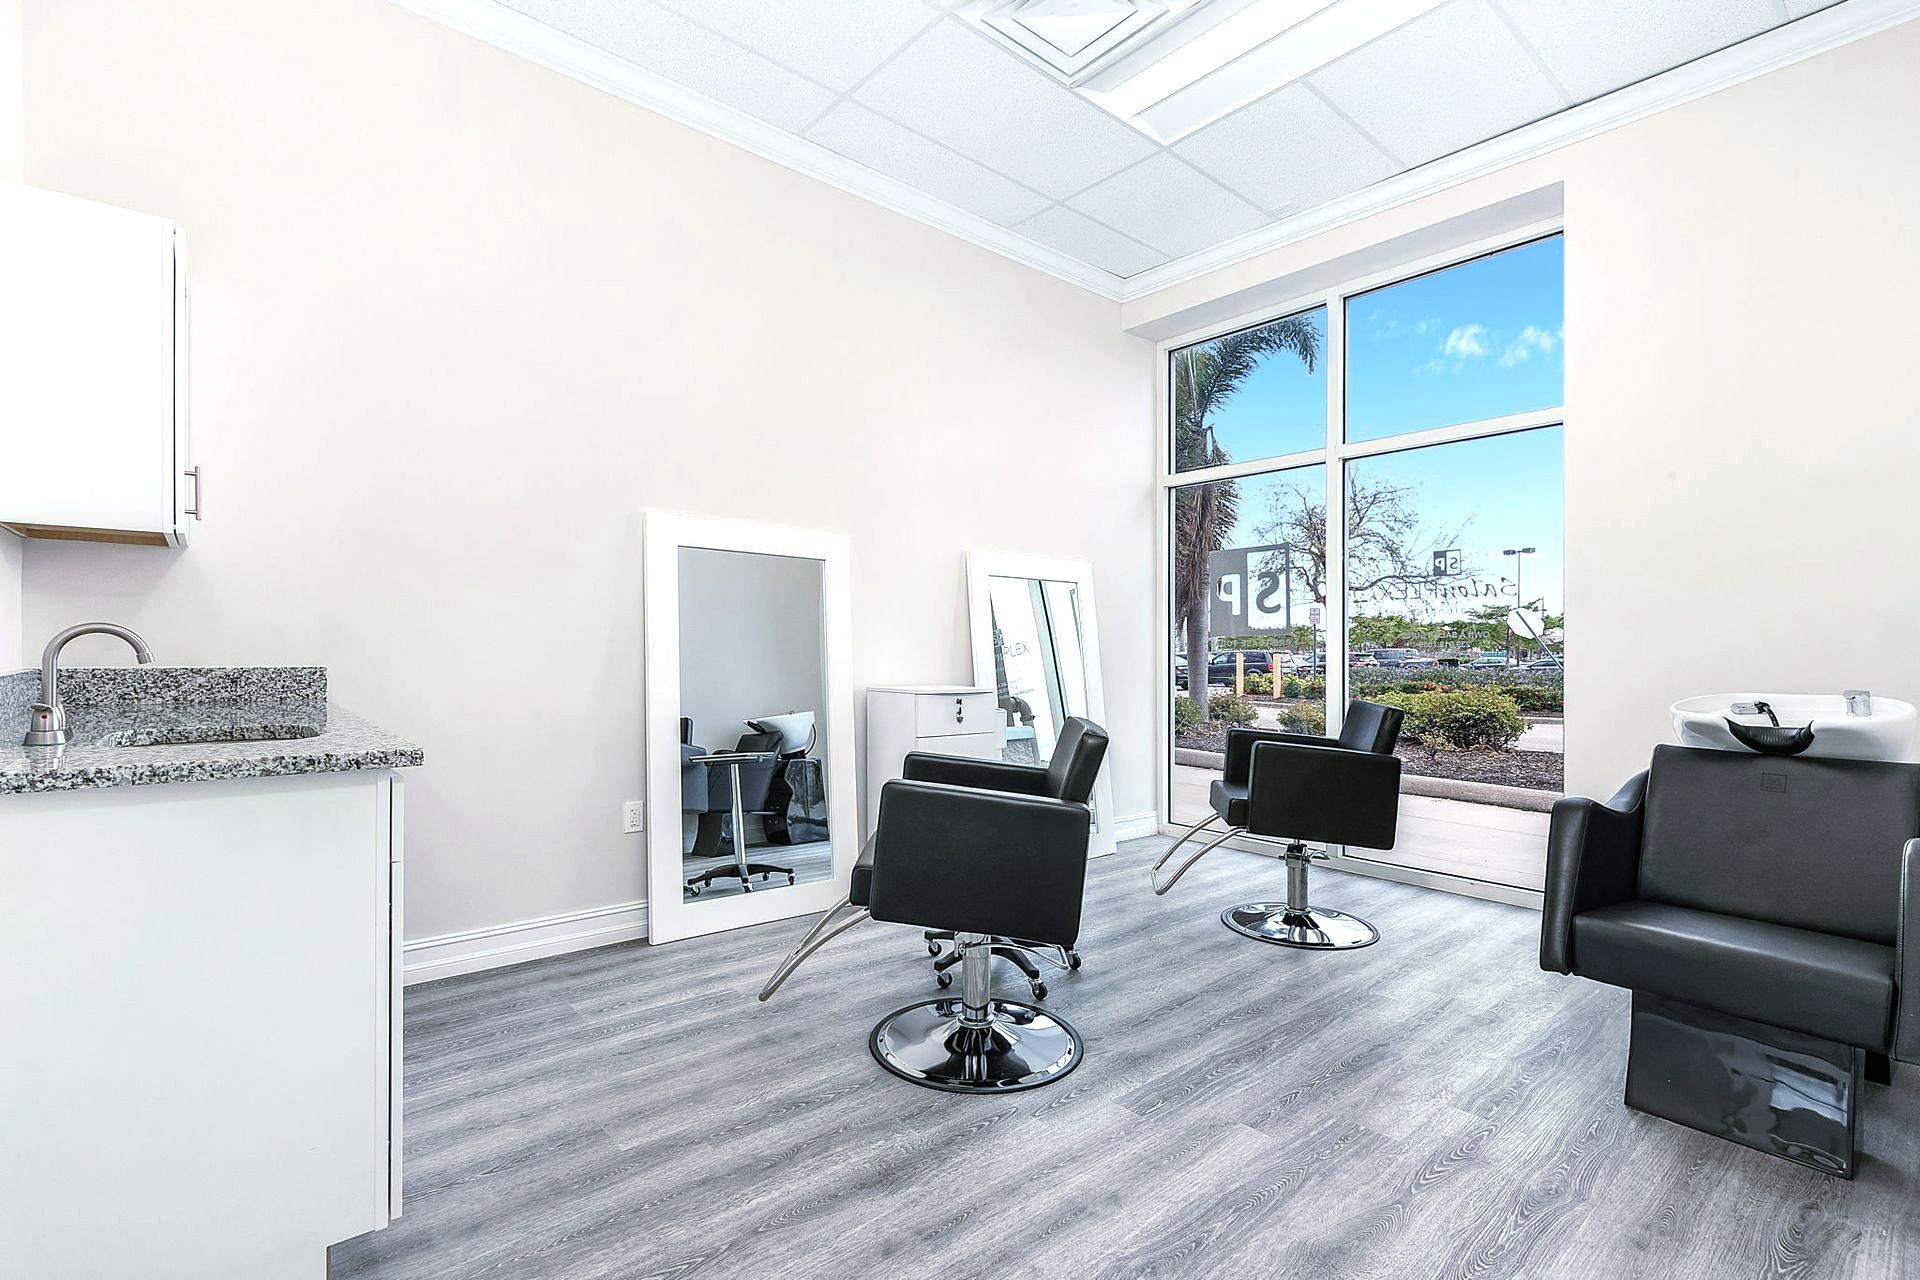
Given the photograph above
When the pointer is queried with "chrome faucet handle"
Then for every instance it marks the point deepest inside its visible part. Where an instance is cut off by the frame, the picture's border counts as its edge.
(46, 726)
(1859, 701)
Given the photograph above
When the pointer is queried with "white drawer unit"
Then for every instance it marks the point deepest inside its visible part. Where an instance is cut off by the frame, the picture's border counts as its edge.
(950, 720)
(944, 715)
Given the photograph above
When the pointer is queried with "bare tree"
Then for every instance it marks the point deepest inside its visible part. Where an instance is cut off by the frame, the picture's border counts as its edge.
(1385, 543)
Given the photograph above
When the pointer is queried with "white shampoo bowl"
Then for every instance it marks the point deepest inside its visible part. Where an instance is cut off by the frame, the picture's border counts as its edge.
(1885, 734)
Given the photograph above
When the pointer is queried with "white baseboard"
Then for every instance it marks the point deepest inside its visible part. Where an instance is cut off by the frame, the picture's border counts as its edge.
(444, 956)
(1131, 826)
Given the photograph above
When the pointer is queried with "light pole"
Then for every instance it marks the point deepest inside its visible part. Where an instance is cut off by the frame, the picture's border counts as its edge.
(1519, 555)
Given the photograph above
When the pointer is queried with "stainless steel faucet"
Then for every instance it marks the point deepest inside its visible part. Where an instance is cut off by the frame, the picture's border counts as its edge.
(47, 721)
(1859, 702)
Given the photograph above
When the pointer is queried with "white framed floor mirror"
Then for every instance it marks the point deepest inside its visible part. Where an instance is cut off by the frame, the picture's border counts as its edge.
(751, 802)
(1036, 643)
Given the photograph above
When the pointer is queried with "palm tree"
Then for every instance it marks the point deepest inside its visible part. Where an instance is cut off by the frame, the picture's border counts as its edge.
(1205, 377)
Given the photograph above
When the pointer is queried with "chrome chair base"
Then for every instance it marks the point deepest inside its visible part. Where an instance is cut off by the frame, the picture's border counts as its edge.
(1315, 928)
(1018, 1047)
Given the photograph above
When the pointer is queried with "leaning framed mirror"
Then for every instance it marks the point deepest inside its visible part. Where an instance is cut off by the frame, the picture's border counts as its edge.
(1036, 643)
(751, 808)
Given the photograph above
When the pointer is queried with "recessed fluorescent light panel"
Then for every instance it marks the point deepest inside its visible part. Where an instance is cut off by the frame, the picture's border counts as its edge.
(1170, 67)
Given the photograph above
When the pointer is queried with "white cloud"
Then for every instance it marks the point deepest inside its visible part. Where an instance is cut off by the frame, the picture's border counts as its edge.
(1465, 341)
(1532, 338)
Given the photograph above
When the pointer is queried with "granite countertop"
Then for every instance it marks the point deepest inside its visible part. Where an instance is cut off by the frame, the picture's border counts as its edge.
(145, 726)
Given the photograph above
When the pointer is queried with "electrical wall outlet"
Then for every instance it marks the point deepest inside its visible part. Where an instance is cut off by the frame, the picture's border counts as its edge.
(633, 817)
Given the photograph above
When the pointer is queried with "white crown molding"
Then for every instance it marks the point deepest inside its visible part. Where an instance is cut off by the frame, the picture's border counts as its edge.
(1769, 51)
(1807, 37)
(515, 32)
(471, 950)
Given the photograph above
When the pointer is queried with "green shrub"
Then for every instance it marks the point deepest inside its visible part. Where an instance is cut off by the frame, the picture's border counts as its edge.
(1259, 682)
(1186, 715)
(1305, 717)
(1459, 719)
(1230, 709)
(1292, 686)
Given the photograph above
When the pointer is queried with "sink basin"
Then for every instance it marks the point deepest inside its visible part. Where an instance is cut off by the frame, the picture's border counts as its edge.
(1885, 734)
(174, 735)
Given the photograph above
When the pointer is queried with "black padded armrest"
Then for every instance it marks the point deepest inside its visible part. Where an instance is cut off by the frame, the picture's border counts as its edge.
(1593, 860)
(949, 857)
(1241, 742)
(1323, 793)
(1906, 964)
(968, 771)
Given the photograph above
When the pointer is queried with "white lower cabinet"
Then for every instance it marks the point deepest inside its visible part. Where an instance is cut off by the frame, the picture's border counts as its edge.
(952, 720)
(200, 1037)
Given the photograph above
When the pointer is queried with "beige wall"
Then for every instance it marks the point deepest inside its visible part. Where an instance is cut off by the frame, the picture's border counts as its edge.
(457, 320)
(1743, 417)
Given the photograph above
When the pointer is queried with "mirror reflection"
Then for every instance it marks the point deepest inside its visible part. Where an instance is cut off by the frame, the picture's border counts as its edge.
(1039, 669)
(753, 772)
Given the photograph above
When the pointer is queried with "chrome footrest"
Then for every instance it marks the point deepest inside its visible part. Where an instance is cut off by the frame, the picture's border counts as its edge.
(1315, 928)
(1017, 1047)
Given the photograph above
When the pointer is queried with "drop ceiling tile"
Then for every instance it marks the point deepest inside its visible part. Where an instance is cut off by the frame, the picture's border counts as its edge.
(663, 42)
(984, 102)
(1801, 8)
(1289, 151)
(1169, 205)
(1597, 46)
(1444, 81)
(1080, 237)
(878, 143)
(837, 42)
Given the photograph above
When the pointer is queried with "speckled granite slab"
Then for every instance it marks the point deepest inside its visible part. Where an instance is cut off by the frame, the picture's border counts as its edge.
(143, 726)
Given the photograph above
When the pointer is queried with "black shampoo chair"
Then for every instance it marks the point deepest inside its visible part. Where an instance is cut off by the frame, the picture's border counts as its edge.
(1298, 787)
(1068, 775)
(984, 865)
(1765, 913)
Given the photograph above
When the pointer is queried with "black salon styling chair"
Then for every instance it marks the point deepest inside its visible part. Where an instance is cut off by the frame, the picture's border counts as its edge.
(1765, 912)
(1068, 775)
(1299, 787)
(721, 788)
(986, 866)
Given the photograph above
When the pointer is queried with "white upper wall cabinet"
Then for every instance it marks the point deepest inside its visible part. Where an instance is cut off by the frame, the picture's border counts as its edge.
(93, 372)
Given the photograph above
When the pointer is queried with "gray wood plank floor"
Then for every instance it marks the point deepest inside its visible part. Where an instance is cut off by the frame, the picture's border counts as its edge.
(1433, 1105)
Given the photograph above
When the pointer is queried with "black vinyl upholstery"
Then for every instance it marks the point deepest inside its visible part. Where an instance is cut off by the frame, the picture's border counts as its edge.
(972, 861)
(1770, 888)
(1229, 800)
(1076, 760)
(1833, 987)
(1745, 835)
(1371, 726)
(1298, 786)
(982, 846)
(966, 771)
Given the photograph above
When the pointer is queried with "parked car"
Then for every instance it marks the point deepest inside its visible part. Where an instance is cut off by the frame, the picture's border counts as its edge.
(1362, 660)
(1546, 664)
(1220, 662)
(1397, 657)
(1491, 660)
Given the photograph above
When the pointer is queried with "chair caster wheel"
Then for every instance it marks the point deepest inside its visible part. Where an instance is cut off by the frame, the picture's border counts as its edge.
(791, 880)
(933, 949)
(693, 890)
(1073, 961)
(944, 979)
(1039, 991)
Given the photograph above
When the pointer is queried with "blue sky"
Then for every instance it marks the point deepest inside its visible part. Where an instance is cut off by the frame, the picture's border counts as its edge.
(1477, 341)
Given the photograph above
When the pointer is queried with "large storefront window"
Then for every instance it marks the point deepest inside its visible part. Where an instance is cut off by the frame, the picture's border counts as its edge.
(1434, 582)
